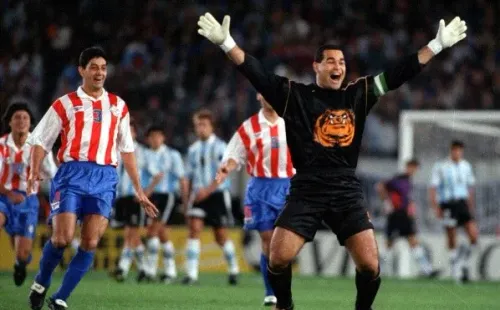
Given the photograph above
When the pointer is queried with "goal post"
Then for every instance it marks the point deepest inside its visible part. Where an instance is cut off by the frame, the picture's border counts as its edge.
(426, 135)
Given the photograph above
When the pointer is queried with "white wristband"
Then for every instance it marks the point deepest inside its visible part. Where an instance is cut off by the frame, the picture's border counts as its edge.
(228, 44)
(435, 46)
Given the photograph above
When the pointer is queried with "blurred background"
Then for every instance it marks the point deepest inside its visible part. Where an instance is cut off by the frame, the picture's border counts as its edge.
(165, 71)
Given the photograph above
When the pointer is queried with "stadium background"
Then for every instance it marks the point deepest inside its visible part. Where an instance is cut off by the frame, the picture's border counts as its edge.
(165, 71)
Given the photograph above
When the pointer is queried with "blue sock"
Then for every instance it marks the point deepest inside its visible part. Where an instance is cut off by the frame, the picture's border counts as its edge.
(77, 268)
(51, 256)
(263, 270)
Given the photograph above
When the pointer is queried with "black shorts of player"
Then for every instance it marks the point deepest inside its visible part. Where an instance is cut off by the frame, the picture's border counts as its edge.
(332, 198)
(400, 224)
(215, 210)
(456, 213)
(129, 212)
(165, 204)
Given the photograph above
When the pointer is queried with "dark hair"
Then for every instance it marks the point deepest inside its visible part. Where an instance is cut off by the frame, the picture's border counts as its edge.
(13, 108)
(89, 54)
(457, 144)
(155, 128)
(204, 114)
(318, 55)
(413, 162)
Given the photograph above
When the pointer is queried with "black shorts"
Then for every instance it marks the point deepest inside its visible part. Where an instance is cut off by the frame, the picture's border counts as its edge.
(456, 213)
(165, 204)
(215, 210)
(129, 212)
(400, 224)
(335, 200)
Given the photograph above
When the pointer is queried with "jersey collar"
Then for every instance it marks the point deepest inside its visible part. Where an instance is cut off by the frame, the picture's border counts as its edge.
(12, 144)
(264, 120)
(80, 93)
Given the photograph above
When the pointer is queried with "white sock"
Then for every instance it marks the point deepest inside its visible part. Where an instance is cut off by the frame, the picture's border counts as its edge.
(139, 257)
(192, 258)
(169, 259)
(230, 255)
(419, 256)
(387, 262)
(152, 256)
(125, 260)
(454, 264)
(468, 255)
(75, 244)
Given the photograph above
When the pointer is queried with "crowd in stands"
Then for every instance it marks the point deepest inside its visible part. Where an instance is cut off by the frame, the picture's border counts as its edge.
(165, 70)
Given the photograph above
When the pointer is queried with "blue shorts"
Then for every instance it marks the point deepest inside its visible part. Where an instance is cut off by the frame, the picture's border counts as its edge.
(264, 199)
(21, 219)
(83, 188)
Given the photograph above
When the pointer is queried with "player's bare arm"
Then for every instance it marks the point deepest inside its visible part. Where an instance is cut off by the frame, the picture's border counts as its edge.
(203, 193)
(434, 203)
(470, 200)
(151, 187)
(129, 162)
(184, 186)
(37, 155)
(225, 169)
(14, 197)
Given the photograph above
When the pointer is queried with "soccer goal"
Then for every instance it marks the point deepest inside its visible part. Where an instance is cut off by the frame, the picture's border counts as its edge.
(426, 135)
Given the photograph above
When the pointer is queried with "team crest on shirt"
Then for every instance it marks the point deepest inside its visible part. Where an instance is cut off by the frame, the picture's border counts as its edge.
(18, 168)
(275, 144)
(97, 115)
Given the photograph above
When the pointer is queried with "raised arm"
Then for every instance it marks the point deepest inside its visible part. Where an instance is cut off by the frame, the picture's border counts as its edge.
(408, 67)
(274, 88)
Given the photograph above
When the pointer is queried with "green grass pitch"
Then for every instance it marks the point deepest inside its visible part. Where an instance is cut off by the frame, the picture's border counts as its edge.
(98, 291)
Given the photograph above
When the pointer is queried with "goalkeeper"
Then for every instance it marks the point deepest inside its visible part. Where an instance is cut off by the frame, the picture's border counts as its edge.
(324, 126)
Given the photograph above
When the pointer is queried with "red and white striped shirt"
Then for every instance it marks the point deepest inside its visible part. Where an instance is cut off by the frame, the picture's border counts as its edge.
(91, 129)
(262, 146)
(15, 164)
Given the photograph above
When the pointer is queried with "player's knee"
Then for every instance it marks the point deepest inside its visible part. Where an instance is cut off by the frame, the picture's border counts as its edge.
(279, 260)
(89, 244)
(61, 241)
(23, 254)
(369, 268)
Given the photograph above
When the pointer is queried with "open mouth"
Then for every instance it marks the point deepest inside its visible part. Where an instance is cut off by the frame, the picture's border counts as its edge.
(335, 77)
(98, 80)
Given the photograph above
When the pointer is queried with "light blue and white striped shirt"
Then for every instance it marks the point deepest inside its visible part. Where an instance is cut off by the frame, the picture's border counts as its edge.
(203, 160)
(163, 160)
(125, 187)
(452, 179)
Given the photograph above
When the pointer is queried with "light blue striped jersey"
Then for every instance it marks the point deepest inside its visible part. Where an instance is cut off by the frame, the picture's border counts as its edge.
(203, 160)
(125, 187)
(452, 179)
(168, 161)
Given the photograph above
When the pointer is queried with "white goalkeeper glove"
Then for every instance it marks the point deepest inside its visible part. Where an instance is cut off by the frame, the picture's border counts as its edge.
(215, 32)
(449, 35)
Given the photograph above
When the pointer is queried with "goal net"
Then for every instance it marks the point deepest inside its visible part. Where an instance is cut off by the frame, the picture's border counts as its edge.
(426, 135)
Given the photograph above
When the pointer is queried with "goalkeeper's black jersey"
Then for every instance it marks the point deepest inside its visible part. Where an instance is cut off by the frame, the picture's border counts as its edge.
(324, 127)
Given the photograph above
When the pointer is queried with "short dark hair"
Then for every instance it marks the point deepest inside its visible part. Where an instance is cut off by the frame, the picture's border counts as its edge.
(90, 53)
(413, 162)
(13, 108)
(318, 55)
(457, 144)
(154, 128)
(205, 114)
